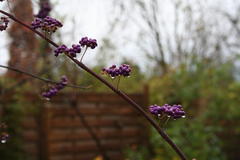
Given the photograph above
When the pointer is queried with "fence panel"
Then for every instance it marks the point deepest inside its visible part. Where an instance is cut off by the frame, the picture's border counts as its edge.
(58, 134)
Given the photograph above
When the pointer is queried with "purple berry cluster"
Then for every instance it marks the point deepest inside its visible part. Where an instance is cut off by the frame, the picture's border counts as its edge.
(71, 51)
(3, 23)
(3, 135)
(88, 42)
(114, 71)
(56, 88)
(76, 48)
(61, 49)
(47, 24)
(174, 111)
(45, 9)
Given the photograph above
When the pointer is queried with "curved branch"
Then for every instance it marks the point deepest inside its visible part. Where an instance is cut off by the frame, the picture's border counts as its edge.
(120, 93)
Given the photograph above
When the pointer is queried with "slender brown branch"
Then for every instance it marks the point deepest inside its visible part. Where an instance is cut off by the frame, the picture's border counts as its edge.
(19, 83)
(39, 78)
(83, 54)
(92, 133)
(120, 93)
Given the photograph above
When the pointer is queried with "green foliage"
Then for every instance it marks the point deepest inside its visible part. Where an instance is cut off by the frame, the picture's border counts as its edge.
(209, 94)
(13, 106)
(195, 139)
(12, 113)
(137, 153)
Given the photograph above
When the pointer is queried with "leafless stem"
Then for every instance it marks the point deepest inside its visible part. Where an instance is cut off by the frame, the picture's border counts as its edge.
(83, 54)
(118, 92)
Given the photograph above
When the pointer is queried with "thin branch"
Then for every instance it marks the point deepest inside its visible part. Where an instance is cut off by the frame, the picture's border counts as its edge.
(118, 92)
(19, 83)
(39, 78)
(92, 133)
(83, 54)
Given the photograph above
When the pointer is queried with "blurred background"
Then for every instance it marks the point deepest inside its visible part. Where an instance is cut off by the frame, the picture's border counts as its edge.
(181, 51)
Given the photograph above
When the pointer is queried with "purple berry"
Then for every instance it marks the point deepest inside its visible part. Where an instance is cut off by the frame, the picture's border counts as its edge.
(113, 71)
(61, 49)
(71, 51)
(47, 24)
(56, 88)
(174, 111)
(45, 8)
(3, 23)
(92, 43)
(4, 137)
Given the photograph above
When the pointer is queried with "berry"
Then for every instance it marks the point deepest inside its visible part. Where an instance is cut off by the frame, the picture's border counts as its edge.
(56, 88)
(61, 49)
(74, 50)
(3, 134)
(71, 51)
(3, 23)
(45, 8)
(92, 43)
(47, 24)
(125, 70)
(113, 71)
(4, 137)
(174, 111)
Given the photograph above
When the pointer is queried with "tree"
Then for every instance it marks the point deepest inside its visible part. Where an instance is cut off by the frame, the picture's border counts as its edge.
(23, 45)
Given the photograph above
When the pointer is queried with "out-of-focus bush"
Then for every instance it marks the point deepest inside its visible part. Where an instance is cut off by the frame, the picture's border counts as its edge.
(209, 94)
(14, 105)
(11, 116)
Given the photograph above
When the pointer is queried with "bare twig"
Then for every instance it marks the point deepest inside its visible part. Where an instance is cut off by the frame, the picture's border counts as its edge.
(39, 78)
(83, 54)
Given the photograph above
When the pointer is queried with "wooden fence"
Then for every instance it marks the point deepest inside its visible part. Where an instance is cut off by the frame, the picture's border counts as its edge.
(58, 134)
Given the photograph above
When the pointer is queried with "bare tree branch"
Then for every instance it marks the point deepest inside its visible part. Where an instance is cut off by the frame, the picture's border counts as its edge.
(39, 78)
